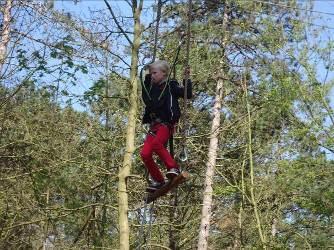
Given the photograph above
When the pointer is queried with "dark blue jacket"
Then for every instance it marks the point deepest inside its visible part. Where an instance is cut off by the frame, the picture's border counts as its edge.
(167, 108)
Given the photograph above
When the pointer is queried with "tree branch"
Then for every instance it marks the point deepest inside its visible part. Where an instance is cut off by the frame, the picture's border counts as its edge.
(117, 23)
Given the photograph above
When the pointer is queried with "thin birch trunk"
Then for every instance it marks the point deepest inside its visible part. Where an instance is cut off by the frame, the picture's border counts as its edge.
(212, 155)
(124, 171)
(251, 165)
(210, 166)
(5, 34)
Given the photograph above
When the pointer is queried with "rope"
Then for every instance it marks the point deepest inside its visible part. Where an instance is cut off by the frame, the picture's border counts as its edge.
(146, 236)
(149, 229)
(142, 221)
(173, 244)
(142, 234)
(168, 78)
(173, 66)
(156, 34)
(183, 155)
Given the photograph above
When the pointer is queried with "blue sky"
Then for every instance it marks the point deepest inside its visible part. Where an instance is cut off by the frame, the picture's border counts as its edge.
(82, 10)
(323, 16)
(326, 20)
(83, 7)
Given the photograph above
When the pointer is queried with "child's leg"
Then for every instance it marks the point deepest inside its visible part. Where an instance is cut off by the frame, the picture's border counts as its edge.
(162, 135)
(146, 155)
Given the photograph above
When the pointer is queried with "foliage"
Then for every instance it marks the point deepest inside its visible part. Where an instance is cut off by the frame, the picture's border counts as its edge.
(64, 100)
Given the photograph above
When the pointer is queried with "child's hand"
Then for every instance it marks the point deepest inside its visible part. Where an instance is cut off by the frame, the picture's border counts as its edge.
(147, 78)
(187, 72)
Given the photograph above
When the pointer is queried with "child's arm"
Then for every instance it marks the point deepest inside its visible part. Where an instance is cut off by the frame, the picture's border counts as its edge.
(178, 91)
(147, 87)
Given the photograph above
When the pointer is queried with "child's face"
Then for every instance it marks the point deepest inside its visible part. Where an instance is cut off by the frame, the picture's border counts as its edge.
(157, 75)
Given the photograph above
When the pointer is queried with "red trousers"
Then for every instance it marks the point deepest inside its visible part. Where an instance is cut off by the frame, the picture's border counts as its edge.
(155, 143)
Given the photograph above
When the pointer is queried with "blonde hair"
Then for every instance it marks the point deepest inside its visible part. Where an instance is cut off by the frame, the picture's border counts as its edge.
(161, 65)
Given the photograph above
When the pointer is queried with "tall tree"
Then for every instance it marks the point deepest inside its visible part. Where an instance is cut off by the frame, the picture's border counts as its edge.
(6, 27)
(125, 170)
(60, 165)
(213, 146)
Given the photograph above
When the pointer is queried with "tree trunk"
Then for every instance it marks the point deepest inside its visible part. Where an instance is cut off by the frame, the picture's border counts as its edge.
(212, 154)
(124, 171)
(251, 166)
(210, 166)
(5, 34)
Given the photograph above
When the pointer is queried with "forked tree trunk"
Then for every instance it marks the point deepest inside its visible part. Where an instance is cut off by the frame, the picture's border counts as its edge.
(124, 171)
(212, 154)
(5, 34)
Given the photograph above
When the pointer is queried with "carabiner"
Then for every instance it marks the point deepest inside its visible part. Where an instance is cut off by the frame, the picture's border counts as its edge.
(183, 156)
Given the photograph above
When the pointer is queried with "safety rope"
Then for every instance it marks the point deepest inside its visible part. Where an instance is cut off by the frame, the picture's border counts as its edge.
(155, 48)
(183, 156)
(145, 236)
(173, 66)
(150, 222)
(173, 244)
(142, 222)
(142, 234)
(156, 34)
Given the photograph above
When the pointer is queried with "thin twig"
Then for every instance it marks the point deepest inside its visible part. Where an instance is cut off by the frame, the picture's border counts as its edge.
(117, 23)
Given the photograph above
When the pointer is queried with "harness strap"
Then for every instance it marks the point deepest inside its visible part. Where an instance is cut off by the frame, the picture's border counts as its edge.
(154, 127)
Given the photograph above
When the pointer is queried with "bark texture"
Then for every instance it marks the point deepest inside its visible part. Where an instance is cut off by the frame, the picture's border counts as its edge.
(212, 153)
(125, 170)
(5, 34)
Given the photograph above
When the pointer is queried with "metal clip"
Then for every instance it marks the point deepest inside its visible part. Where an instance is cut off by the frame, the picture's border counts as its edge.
(183, 156)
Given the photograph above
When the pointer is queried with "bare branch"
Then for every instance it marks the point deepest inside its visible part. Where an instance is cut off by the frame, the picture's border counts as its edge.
(117, 23)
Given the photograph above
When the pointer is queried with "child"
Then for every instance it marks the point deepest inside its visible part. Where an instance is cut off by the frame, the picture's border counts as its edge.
(162, 112)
